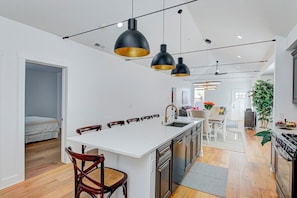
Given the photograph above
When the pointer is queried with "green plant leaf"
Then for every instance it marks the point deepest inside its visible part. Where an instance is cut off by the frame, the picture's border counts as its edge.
(262, 133)
(266, 136)
(266, 139)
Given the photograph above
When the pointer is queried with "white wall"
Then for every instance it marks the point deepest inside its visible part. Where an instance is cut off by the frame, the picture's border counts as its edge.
(222, 96)
(283, 85)
(99, 88)
(291, 40)
(41, 95)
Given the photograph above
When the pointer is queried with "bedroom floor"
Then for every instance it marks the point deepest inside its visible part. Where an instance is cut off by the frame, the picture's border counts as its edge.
(42, 156)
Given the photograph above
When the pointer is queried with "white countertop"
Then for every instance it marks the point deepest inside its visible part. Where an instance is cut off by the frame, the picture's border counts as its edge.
(278, 130)
(135, 139)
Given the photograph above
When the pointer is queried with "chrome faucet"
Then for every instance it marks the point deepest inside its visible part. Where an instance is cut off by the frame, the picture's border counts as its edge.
(176, 112)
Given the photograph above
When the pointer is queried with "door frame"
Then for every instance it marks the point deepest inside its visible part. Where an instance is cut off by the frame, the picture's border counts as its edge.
(53, 63)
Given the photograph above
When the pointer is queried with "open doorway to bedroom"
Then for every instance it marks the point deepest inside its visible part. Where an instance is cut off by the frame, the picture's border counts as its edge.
(43, 117)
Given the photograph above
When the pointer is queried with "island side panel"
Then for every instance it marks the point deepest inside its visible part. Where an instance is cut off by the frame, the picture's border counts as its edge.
(141, 173)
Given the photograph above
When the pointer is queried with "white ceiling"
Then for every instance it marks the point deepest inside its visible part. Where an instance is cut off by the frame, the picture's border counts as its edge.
(218, 20)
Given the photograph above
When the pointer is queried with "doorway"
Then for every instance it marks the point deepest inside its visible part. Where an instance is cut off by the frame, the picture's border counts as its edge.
(239, 104)
(43, 100)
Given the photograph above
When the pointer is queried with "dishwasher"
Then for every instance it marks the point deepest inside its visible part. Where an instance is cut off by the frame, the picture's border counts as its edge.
(179, 161)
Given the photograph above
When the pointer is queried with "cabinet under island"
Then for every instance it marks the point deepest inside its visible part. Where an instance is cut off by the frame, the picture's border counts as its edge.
(148, 152)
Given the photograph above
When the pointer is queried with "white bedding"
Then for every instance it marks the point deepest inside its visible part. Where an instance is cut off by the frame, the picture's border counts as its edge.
(40, 128)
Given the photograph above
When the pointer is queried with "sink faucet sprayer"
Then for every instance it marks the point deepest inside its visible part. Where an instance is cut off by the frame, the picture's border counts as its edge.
(175, 114)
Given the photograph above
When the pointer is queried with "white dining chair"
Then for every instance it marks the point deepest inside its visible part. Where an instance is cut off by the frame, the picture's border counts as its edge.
(219, 124)
(189, 113)
(220, 129)
(206, 125)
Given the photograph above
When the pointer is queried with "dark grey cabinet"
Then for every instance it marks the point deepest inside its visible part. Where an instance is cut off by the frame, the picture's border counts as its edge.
(164, 171)
(195, 142)
(188, 159)
(179, 160)
(250, 119)
(175, 159)
(294, 83)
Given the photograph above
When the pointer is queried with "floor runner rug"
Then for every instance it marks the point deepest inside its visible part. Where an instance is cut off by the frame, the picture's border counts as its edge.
(207, 178)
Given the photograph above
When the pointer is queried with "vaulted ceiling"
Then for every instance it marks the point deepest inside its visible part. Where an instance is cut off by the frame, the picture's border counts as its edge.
(220, 21)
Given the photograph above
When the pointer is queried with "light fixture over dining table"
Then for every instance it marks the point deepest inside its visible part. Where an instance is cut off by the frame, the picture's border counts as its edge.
(207, 85)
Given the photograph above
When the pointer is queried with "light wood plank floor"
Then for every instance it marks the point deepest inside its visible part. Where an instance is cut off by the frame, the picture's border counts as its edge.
(42, 156)
(249, 176)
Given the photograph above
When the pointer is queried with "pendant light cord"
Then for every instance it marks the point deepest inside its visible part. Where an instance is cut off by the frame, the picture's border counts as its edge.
(163, 21)
(132, 8)
(112, 24)
(180, 30)
(217, 48)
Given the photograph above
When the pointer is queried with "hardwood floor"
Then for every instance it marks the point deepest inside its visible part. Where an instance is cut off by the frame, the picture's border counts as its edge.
(42, 156)
(249, 176)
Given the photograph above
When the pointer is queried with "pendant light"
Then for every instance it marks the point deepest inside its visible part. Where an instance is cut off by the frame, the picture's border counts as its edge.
(163, 60)
(132, 43)
(181, 69)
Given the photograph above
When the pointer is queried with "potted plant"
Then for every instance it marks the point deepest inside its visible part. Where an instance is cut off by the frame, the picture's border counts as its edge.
(262, 100)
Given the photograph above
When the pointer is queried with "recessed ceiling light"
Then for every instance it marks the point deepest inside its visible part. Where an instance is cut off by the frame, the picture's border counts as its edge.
(120, 24)
(238, 56)
(99, 45)
(239, 37)
(208, 41)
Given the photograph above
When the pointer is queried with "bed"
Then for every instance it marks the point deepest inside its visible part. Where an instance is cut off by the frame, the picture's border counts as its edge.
(40, 128)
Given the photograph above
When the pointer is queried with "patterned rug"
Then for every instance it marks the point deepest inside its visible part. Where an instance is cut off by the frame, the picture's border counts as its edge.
(207, 178)
(234, 141)
(232, 124)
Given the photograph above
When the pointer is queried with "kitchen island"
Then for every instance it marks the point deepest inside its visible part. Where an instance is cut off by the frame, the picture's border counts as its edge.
(132, 149)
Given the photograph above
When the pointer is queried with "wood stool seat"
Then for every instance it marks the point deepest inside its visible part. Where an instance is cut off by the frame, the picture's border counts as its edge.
(111, 177)
(94, 178)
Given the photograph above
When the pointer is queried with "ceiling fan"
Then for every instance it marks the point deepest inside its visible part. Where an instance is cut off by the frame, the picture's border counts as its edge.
(217, 70)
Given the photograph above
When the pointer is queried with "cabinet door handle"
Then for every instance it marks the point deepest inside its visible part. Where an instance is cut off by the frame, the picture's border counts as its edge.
(165, 164)
(164, 150)
(179, 141)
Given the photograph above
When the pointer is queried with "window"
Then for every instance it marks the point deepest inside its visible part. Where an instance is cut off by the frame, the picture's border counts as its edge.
(199, 98)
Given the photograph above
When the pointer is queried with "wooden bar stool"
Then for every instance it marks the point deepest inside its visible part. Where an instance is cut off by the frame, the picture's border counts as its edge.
(119, 122)
(155, 115)
(85, 129)
(132, 120)
(95, 178)
(146, 117)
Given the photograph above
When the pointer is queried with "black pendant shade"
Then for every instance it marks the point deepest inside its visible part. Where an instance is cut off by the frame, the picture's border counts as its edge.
(163, 60)
(132, 43)
(181, 69)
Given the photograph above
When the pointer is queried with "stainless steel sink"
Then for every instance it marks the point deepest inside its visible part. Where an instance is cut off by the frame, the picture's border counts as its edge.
(177, 124)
